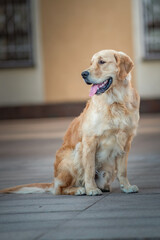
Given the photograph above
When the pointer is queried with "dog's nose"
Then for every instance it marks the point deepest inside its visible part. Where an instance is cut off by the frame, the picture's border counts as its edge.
(85, 74)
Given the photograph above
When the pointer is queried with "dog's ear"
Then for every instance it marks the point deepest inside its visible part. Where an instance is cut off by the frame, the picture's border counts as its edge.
(125, 64)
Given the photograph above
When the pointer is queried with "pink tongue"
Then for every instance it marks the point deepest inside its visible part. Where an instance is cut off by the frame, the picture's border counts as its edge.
(93, 90)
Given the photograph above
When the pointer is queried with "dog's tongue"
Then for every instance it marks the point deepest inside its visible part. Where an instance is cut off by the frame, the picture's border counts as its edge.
(93, 90)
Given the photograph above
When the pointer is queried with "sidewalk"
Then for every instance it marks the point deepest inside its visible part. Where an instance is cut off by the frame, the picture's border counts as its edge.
(27, 149)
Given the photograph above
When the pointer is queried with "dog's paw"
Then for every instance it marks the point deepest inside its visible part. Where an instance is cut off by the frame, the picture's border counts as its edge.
(80, 191)
(94, 192)
(129, 189)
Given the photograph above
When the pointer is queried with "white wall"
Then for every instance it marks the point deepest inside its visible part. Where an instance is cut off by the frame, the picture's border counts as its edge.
(147, 72)
(25, 85)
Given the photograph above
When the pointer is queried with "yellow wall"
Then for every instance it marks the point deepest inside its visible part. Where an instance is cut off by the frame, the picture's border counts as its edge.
(72, 31)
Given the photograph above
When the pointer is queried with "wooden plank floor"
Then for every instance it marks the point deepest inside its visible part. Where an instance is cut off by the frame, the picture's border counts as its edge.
(27, 149)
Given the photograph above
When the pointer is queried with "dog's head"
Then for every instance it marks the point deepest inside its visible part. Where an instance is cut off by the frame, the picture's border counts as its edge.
(108, 68)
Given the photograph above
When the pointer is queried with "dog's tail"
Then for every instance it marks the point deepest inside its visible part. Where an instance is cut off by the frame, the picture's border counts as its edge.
(30, 188)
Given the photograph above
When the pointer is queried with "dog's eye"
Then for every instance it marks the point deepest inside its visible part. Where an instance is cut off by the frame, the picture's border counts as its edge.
(101, 62)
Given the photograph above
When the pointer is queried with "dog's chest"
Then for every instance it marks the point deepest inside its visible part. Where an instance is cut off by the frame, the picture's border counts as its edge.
(99, 123)
(112, 132)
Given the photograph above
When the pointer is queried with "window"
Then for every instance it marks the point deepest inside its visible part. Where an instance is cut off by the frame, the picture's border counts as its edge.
(15, 34)
(151, 26)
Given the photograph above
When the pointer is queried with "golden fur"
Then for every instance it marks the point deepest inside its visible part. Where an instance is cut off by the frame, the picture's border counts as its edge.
(97, 143)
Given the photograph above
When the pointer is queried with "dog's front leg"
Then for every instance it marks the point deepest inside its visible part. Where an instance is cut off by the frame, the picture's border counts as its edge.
(122, 172)
(89, 151)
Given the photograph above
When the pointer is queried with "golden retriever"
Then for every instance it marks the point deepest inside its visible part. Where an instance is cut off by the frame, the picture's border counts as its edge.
(97, 143)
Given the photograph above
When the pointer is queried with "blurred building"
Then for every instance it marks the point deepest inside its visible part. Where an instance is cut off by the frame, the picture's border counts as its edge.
(46, 44)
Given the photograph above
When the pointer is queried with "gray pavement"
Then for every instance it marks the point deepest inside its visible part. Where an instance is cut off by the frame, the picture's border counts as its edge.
(27, 149)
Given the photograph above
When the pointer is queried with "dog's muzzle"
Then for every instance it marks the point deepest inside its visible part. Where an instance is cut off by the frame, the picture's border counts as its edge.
(85, 75)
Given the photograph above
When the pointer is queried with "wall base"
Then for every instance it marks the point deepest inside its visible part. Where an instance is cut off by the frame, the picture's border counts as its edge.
(63, 110)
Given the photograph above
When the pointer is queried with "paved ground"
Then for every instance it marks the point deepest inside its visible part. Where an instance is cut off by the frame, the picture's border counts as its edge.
(27, 151)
